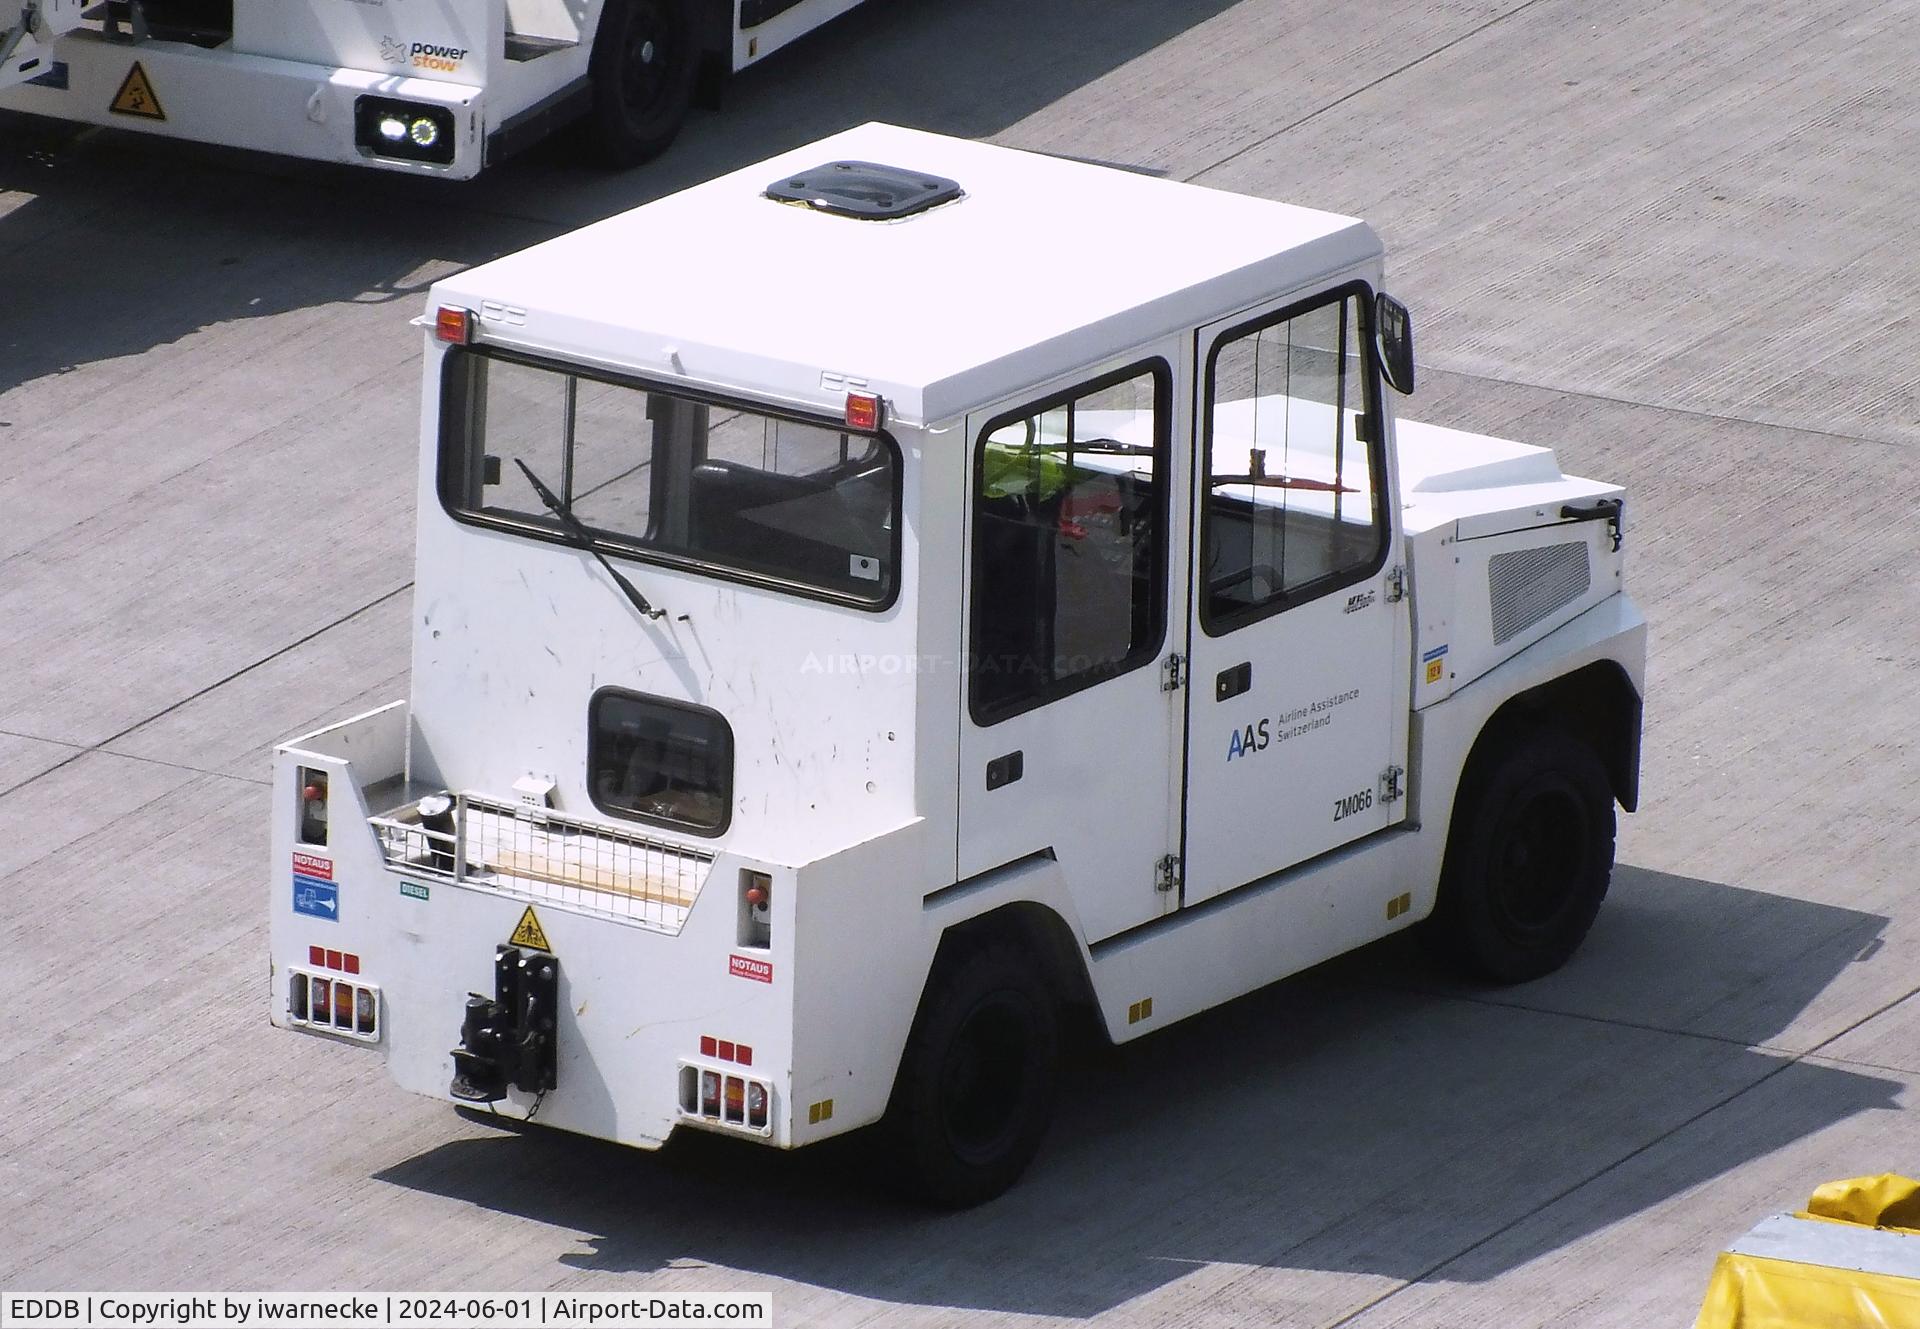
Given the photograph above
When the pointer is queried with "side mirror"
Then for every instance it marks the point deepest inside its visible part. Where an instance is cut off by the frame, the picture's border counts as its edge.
(1393, 342)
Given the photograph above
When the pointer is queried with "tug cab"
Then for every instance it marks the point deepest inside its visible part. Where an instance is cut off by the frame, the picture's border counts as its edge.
(958, 587)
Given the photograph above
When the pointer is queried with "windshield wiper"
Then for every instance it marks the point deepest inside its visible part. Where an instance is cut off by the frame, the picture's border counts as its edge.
(583, 540)
(1110, 447)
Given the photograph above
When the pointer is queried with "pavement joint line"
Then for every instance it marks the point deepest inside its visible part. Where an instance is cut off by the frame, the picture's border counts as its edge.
(30, 864)
(1696, 412)
(41, 738)
(183, 766)
(1614, 1022)
(1366, 87)
(165, 482)
(81, 750)
(211, 687)
(1830, 1060)
(1784, 1064)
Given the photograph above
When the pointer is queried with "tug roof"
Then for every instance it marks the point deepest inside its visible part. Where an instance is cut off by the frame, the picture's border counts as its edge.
(1041, 267)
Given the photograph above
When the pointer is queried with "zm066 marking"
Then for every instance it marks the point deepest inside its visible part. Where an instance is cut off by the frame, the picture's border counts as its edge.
(1352, 805)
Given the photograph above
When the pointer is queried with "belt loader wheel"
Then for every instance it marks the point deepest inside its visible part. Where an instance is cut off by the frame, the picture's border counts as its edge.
(1528, 858)
(975, 1090)
(642, 71)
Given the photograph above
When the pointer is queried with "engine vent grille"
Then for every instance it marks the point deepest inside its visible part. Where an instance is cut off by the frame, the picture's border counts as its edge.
(1526, 585)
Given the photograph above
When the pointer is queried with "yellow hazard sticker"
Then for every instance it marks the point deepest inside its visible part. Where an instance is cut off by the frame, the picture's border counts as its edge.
(529, 932)
(136, 96)
(1434, 669)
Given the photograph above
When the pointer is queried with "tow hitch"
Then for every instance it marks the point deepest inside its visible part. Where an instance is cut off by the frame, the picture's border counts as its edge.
(509, 1040)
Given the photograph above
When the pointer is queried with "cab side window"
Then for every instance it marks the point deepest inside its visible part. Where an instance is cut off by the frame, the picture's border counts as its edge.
(1069, 542)
(1293, 506)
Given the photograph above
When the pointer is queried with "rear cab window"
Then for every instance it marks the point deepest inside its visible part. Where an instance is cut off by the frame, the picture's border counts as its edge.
(665, 762)
(668, 477)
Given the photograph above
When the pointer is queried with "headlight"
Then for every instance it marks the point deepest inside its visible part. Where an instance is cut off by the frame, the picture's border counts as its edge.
(404, 131)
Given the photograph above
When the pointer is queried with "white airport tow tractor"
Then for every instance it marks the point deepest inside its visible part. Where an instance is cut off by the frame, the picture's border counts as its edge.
(434, 89)
(963, 586)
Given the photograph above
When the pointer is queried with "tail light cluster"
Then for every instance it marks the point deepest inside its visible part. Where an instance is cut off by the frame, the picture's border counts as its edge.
(334, 1004)
(724, 1098)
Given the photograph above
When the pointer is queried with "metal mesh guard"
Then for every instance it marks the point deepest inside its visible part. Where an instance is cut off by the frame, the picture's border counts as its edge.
(1526, 585)
(537, 854)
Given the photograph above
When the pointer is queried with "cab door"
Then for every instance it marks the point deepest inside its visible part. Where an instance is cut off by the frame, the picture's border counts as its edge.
(1298, 634)
(1071, 740)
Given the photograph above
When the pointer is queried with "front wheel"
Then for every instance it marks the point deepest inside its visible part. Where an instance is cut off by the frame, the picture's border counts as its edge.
(1529, 856)
(975, 1090)
(642, 72)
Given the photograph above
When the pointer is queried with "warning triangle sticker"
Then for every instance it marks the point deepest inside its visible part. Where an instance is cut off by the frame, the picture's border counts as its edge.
(136, 96)
(529, 932)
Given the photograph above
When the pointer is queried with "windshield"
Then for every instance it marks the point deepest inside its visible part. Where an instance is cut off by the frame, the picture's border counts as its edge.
(659, 475)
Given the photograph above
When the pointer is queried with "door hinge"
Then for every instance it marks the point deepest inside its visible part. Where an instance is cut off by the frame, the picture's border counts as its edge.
(1396, 582)
(1173, 673)
(1166, 873)
(1393, 784)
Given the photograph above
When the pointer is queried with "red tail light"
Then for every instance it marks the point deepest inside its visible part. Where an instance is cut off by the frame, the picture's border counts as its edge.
(454, 326)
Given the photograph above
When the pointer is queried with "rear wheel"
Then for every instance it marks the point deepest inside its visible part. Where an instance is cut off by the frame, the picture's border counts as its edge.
(975, 1090)
(1528, 860)
(642, 71)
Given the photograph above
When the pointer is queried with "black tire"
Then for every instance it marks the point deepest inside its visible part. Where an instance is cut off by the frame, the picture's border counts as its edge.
(975, 1091)
(1529, 856)
(642, 71)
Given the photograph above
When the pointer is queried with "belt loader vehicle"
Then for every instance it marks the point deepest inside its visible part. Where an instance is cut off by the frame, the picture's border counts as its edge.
(963, 590)
(428, 89)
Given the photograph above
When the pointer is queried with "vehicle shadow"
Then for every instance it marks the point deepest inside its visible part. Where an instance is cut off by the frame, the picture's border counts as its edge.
(115, 243)
(1372, 1117)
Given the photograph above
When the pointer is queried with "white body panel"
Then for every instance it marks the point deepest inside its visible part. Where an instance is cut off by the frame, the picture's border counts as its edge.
(1118, 744)
(763, 39)
(857, 770)
(1292, 767)
(287, 79)
(1469, 498)
(450, 42)
(247, 101)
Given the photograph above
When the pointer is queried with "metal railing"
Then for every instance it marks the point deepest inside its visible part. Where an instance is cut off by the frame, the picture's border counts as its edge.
(537, 854)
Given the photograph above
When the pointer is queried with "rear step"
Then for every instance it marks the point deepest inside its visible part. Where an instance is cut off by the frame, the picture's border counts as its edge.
(532, 48)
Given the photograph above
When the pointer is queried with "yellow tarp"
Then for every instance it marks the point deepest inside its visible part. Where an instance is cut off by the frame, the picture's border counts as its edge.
(1747, 1292)
(1883, 1201)
(1750, 1291)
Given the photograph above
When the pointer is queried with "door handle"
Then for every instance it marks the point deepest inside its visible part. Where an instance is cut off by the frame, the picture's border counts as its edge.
(1232, 682)
(1608, 510)
(1005, 770)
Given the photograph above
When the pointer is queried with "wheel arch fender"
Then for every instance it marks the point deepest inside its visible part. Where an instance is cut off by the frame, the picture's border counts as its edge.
(1596, 703)
(1040, 931)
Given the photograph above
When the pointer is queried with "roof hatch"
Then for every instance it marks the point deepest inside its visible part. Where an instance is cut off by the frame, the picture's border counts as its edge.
(866, 190)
